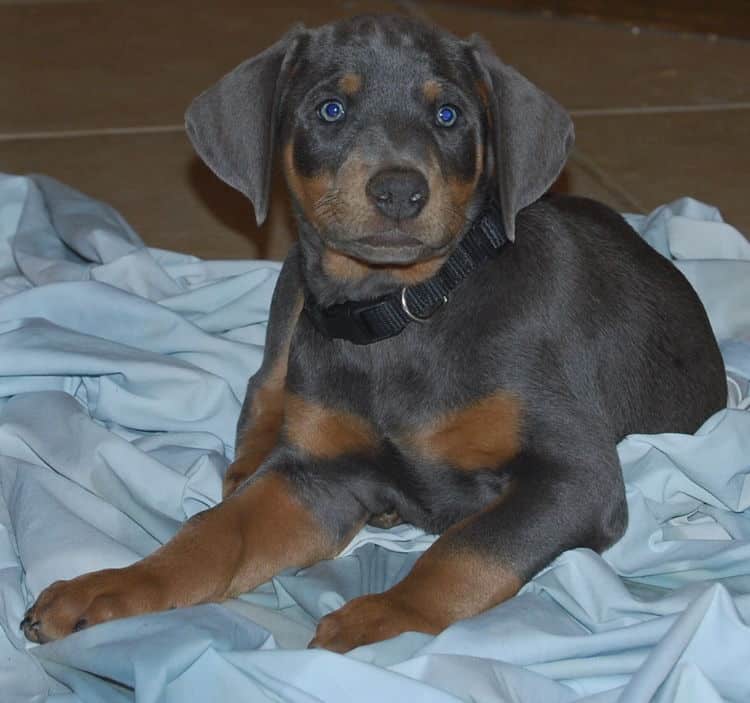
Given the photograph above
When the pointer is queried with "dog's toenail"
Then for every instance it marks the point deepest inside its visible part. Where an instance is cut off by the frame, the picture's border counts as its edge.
(27, 624)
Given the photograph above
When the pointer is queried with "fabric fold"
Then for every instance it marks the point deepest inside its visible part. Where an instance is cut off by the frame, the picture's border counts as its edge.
(122, 372)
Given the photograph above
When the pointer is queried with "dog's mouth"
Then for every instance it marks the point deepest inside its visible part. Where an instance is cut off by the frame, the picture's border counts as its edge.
(395, 252)
(388, 240)
(390, 247)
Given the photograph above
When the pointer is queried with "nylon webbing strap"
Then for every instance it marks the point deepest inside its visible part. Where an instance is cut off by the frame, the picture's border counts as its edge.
(364, 322)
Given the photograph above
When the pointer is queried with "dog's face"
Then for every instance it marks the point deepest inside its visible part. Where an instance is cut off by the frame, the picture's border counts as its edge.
(383, 138)
(392, 134)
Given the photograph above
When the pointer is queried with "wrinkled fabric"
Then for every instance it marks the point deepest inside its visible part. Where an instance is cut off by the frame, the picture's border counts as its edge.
(122, 372)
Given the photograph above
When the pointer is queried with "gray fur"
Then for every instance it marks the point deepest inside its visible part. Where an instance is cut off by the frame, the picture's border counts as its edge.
(532, 135)
(232, 125)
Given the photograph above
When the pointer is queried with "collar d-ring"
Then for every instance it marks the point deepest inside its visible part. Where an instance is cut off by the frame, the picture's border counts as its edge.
(411, 315)
(371, 320)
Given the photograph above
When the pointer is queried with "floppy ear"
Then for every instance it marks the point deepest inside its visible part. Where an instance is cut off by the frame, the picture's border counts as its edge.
(530, 132)
(232, 125)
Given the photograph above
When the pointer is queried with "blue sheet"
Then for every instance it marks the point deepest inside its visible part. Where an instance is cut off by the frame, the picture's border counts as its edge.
(122, 370)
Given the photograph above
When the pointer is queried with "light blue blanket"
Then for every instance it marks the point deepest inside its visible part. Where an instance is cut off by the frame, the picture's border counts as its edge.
(122, 371)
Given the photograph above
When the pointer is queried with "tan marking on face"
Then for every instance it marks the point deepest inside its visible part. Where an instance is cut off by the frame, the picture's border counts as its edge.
(483, 435)
(352, 206)
(309, 191)
(351, 182)
(449, 197)
(462, 191)
(342, 267)
(350, 83)
(431, 90)
(325, 432)
(344, 204)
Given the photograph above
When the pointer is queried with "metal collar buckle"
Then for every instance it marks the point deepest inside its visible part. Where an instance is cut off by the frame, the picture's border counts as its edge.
(417, 318)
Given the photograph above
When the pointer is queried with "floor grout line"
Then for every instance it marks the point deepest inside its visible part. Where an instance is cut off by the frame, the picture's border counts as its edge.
(103, 131)
(594, 170)
(658, 109)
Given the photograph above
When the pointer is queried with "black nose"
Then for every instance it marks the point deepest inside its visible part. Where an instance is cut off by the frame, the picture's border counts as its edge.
(398, 193)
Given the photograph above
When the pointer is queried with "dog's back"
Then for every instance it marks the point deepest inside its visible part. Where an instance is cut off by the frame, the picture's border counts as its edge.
(629, 315)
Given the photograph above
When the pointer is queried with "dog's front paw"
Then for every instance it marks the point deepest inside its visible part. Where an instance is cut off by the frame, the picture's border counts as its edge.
(69, 606)
(370, 619)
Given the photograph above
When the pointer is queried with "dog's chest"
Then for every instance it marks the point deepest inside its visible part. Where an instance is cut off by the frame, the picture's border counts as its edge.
(428, 403)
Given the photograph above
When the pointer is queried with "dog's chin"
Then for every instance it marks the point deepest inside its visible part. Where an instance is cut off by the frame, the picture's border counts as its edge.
(395, 249)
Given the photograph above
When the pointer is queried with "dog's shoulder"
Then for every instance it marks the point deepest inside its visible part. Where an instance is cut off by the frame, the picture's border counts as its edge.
(576, 216)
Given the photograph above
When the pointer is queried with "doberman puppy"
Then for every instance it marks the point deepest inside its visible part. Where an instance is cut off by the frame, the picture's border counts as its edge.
(447, 345)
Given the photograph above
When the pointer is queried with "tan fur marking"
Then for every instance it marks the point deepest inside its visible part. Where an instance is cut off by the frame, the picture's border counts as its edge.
(266, 413)
(352, 204)
(219, 553)
(342, 267)
(483, 91)
(416, 273)
(242, 552)
(481, 149)
(449, 585)
(483, 435)
(461, 191)
(265, 418)
(301, 542)
(308, 191)
(446, 207)
(431, 90)
(325, 432)
(350, 83)
(445, 585)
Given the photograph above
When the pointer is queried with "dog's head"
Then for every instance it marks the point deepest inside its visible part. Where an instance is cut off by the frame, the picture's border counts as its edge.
(392, 135)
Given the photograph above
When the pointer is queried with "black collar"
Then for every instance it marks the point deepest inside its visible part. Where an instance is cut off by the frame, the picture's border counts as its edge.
(367, 321)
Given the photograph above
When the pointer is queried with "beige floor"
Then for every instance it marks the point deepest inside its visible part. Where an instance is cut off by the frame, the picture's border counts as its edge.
(93, 93)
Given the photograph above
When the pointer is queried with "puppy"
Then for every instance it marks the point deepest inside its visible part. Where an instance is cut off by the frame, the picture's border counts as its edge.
(447, 345)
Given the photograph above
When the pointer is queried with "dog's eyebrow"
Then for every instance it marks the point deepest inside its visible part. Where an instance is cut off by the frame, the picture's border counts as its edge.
(350, 83)
(431, 89)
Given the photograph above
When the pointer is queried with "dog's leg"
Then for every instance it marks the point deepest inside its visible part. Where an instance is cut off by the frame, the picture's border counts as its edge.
(485, 559)
(262, 412)
(219, 553)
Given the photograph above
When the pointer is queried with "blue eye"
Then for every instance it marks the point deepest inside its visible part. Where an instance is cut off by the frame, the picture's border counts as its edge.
(447, 115)
(331, 111)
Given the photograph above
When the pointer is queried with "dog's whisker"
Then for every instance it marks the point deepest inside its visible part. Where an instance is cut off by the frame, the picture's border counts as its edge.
(327, 198)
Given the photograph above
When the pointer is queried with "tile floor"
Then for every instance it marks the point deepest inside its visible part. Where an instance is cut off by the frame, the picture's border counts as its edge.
(93, 93)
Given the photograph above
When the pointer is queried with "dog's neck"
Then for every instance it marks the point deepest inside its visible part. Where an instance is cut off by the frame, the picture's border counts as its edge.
(352, 301)
(331, 278)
